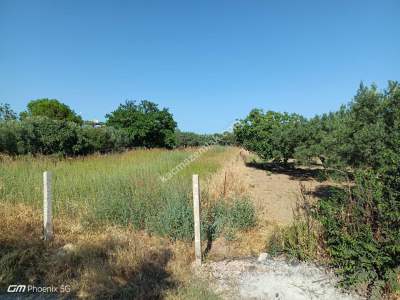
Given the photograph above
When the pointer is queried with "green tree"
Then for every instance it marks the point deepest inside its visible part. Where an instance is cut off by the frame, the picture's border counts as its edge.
(145, 124)
(52, 109)
(272, 135)
(6, 112)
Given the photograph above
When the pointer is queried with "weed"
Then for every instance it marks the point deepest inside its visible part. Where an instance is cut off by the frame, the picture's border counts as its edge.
(301, 240)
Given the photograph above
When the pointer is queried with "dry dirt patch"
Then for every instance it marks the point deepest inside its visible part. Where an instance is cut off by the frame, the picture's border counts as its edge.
(267, 278)
(274, 195)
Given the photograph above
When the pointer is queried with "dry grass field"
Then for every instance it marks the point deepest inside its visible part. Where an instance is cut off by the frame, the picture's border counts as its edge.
(119, 231)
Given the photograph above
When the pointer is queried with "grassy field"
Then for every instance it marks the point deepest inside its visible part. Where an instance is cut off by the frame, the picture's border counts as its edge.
(120, 188)
(88, 181)
(119, 230)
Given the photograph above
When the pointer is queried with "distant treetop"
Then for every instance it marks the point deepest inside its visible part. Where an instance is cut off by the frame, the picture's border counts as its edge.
(6, 113)
(52, 109)
(145, 124)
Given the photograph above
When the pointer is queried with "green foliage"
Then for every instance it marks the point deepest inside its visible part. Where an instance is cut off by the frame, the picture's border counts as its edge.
(52, 109)
(191, 139)
(51, 127)
(101, 139)
(38, 135)
(46, 136)
(301, 239)
(227, 217)
(145, 124)
(362, 232)
(124, 189)
(360, 226)
(242, 214)
(6, 113)
(41, 135)
(296, 241)
(271, 135)
(175, 219)
(196, 290)
(11, 137)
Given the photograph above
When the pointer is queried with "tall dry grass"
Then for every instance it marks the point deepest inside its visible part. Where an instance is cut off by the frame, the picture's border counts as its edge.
(103, 263)
(119, 231)
(117, 189)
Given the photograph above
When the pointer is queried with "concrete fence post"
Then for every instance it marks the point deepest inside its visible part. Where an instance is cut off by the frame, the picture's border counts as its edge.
(47, 207)
(196, 214)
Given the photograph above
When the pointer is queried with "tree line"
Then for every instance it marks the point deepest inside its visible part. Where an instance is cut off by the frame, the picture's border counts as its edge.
(363, 133)
(48, 126)
(361, 224)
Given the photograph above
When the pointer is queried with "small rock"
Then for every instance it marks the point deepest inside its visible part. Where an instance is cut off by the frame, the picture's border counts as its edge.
(263, 257)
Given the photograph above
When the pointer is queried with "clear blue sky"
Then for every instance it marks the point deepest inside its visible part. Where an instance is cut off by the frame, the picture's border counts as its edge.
(209, 61)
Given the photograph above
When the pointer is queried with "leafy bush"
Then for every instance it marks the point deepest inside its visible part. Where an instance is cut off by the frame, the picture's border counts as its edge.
(145, 124)
(301, 239)
(6, 113)
(51, 127)
(227, 217)
(191, 139)
(10, 138)
(241, 215)
(175, 220)
(271, 135)
(52, 109)
(360, 225)
(103, 140)
(361, 229)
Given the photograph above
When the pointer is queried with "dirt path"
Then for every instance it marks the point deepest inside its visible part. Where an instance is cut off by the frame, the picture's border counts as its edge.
(274, 193)
(233, 267)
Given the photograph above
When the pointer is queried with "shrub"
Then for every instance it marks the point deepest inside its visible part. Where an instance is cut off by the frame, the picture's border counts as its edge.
(145, 124)
(6, 113)
(51, 127)
(41, 135)
(271, 135)
(361, 224)
(191, 139)
(10, 140)
(175, 219)
(102, 140)
(361, 229)
(47, 136)
(227, 217)
(241, 215)
(52, 109)
(301, 240)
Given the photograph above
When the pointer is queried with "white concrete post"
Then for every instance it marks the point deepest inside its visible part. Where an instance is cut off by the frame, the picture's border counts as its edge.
(196, 214)
(47, 212)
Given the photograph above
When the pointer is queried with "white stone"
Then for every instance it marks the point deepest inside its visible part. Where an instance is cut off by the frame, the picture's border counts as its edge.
(263, 257)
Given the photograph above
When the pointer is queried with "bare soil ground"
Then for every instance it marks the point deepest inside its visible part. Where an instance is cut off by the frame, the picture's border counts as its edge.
(274, 278)
(233, 267)
(274, 193)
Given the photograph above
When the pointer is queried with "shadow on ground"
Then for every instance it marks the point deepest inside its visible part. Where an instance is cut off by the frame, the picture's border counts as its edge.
(92, 270)
(324, 191)
(290, 169)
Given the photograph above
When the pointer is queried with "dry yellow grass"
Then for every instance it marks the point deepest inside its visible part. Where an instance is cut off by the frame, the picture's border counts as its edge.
(229, 183)
(102, 263)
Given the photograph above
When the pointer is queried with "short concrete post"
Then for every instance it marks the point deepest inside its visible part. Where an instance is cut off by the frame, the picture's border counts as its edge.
(196, 214)
(47, 210)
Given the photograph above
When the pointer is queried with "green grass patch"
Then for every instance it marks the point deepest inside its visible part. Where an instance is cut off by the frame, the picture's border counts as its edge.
(123, 189)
